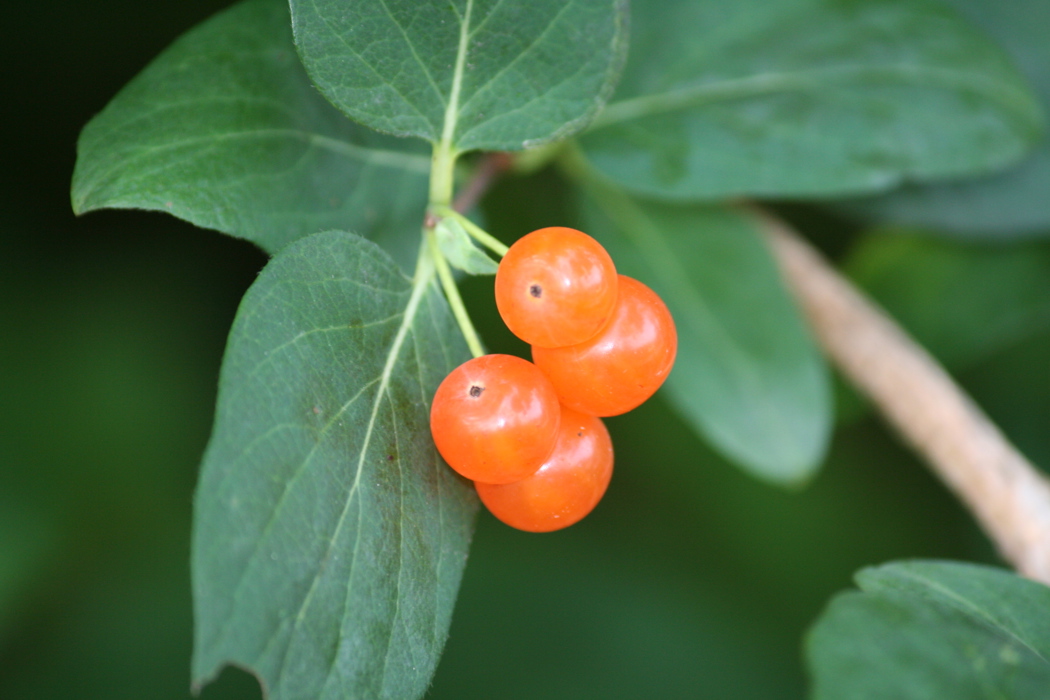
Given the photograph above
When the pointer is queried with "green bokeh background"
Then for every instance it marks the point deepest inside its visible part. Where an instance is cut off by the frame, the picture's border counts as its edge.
(691, 580)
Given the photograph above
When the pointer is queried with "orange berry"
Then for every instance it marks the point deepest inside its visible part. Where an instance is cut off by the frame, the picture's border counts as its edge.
(624, 364)
(556, 286)
(566, 488)
(495, 418)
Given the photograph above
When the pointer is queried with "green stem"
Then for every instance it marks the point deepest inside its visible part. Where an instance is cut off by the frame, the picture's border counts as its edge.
(442, 179)
(448, 283)
(479, 234)
(442, 174)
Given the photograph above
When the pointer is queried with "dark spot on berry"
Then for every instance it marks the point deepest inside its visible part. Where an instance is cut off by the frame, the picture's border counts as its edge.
(475, 391)
(579, 434)
(536, 291)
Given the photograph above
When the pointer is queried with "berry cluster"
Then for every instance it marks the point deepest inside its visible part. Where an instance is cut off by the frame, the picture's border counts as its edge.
(530, 435)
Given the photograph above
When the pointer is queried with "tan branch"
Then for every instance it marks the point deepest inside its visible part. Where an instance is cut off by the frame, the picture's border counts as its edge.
(491, 166)
(1008, 496)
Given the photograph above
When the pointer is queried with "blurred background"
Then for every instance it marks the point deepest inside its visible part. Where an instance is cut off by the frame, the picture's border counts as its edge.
(691, 580)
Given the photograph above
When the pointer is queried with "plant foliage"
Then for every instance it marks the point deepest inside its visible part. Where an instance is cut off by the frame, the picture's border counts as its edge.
(933, 630)
(329, 538)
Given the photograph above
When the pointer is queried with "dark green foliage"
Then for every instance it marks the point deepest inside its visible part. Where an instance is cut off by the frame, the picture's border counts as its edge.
(807, 98)
(329, 539)
(329, 536)
(491, 74)
(747, 375)
(225, 130)
(922, 630)
(1010, 204)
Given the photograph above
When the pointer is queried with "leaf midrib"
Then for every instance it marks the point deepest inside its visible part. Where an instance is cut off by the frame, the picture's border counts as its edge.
(761, 84)
(363, 154)
(448, 130)
(420, 284)
(968, 607)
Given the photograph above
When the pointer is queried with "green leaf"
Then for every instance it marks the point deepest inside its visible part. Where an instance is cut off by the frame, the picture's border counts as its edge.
(225, 130)
(928, 629)
(961, 301)
(747, 375)
(470, 74)
(807, 98)
(329, 537)
(1016, 202)
(458, 247)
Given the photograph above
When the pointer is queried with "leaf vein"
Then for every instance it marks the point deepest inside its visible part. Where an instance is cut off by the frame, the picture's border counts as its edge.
(345, 43)
(412, 49)
(420, 285)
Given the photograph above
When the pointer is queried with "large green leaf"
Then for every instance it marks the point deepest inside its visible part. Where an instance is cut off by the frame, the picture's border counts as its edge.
(472, 74)
(329, 537)
(922, 630)
(805, 98)
(961, 301)
(747, 376)
(1013, 203)
(225, 130)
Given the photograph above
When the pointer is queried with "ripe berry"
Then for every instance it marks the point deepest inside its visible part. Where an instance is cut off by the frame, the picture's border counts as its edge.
(624, 364)
(495, 418)
(566, 488)
(556, 286)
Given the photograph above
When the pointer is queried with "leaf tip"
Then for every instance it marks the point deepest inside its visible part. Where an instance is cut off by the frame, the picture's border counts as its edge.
(79, 201)
(200, 679)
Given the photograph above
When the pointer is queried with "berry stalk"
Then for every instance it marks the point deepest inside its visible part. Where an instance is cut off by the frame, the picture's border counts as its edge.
(455, 301)
(476, 232)
(442, 176)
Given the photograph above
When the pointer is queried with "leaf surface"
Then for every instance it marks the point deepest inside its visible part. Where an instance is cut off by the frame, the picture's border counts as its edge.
(329, 537)
(459, 248)
(1013, 203)
(807, 98)
(473, 74)
(928, 629)
(747, 375)
(224, 130)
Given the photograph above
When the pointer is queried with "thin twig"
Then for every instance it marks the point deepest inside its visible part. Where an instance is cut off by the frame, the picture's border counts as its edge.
(492, 165)
(1009, 497)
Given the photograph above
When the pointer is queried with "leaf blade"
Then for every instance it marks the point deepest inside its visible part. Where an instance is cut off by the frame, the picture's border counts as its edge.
(471, 74)
(325, 578)
(224, 130)
(458, 247)
(933, 629)
(747, 375)
(1009, 204)
(727, 100)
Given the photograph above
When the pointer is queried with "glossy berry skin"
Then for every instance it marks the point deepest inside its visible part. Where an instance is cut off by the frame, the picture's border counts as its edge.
(556, 286)
(624, 364)
(566, 488)
(495, 418)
